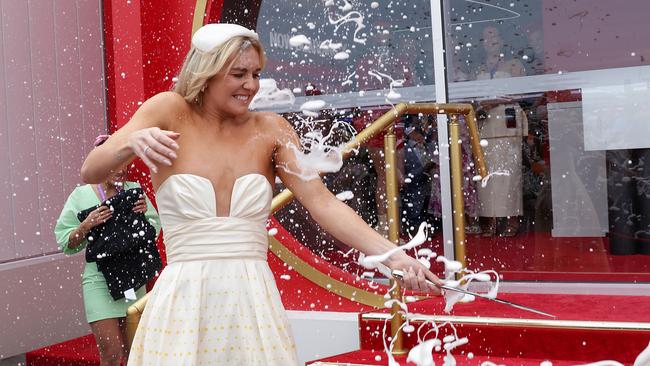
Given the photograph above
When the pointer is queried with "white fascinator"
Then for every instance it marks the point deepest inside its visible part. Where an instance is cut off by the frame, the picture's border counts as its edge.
(210, 36)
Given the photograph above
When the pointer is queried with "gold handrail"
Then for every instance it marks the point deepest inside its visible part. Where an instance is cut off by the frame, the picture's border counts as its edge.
(383, 123)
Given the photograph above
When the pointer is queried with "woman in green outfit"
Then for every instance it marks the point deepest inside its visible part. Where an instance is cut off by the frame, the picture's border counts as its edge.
(105, 315)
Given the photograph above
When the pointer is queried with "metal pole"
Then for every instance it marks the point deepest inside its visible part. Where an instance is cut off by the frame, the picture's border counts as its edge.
(458, 207)
(440, 81)
(392, 195)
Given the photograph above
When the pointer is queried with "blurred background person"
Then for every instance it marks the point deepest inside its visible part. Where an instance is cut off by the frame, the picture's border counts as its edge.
(418, 167)
(104, 314)
(504, 126)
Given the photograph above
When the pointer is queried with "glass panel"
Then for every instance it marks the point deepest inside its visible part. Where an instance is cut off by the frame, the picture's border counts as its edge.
(559, 89)
(390, 61)
(315, 49)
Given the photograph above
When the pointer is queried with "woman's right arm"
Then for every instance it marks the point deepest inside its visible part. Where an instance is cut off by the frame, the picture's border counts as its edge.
(145, 136)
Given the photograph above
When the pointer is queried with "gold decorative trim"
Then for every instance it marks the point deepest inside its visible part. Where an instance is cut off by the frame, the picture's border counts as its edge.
(133, 314)
(199, 14)
(323, 280)
(531, 323)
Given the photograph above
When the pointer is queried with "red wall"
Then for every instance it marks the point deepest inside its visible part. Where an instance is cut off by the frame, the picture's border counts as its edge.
(145, 44)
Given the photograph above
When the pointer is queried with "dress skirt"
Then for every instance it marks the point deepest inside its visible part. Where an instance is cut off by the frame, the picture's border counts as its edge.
(214, 312)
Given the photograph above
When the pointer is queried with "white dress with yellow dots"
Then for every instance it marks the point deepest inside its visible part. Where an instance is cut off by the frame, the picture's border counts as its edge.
(216, 302)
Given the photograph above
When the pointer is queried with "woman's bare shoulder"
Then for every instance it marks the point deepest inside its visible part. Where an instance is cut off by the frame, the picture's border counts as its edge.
(276, 128)
(270, 121)
(167, 101)
(168, 106)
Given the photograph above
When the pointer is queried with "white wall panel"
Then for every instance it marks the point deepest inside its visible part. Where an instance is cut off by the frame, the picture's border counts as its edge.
(69, 82)
(6, 202)
(20, 117)
(48, 145)
(52, 105)
(91, 55)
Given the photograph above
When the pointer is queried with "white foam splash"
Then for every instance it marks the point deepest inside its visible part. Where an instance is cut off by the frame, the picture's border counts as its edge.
(346, 7)
(327, 44)
(394, 83)
(299, 40)
(312, 106)
(453, 297)
(345, 195)
(270, 96)
(342, 56)
(353, 16)
(643, 359)
(486, 179)
(451, 266)
(376, 261)
(316, 161)
(422, 354)
(317, 153)
(393, 95)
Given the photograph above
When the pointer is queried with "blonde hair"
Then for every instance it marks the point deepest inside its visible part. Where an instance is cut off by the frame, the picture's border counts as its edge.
(200, 66)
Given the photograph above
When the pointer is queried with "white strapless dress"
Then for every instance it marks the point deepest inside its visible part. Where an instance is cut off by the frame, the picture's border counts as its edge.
(216, 302)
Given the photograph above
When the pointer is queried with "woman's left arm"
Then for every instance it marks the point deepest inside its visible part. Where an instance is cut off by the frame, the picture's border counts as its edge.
(339, 219)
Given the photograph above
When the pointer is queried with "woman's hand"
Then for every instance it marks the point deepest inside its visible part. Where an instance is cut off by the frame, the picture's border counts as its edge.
(97, 217)
(415, 274)
(140, 206)
(154, 146)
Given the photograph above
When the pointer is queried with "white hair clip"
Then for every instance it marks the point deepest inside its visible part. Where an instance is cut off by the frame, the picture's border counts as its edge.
(213, 35)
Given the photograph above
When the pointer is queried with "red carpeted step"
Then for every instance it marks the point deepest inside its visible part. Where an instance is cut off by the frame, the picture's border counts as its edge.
(367, 357)
(587, 328)
(80, 351)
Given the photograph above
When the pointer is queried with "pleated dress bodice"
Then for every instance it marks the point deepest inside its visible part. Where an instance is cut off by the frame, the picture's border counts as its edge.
(187, 205)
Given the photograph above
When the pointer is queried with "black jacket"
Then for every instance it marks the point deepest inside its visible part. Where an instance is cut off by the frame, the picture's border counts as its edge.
(124, 247)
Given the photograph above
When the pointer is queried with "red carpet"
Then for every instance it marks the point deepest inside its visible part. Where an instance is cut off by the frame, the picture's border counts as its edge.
(526, 344)
(565, 307)
(76, 352)
(368, 357)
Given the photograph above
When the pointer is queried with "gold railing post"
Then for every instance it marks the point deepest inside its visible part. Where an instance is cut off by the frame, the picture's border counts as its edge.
(392, 195)
(458, 207)
(475, 141)
(133, 314)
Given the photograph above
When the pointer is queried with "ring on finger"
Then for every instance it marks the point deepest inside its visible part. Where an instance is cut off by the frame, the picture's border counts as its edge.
(145, 150)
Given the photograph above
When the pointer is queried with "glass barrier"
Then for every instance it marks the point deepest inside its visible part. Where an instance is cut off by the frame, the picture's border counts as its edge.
(561, 92)
(560, 89)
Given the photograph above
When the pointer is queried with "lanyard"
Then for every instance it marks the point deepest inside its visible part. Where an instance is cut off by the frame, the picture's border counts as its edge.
(102, 194)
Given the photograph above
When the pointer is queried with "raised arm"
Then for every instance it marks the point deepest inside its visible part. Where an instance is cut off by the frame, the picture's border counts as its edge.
(146, 136)
(339, 219)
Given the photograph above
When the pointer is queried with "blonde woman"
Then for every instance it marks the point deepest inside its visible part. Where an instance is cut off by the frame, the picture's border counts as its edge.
(213, 163)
